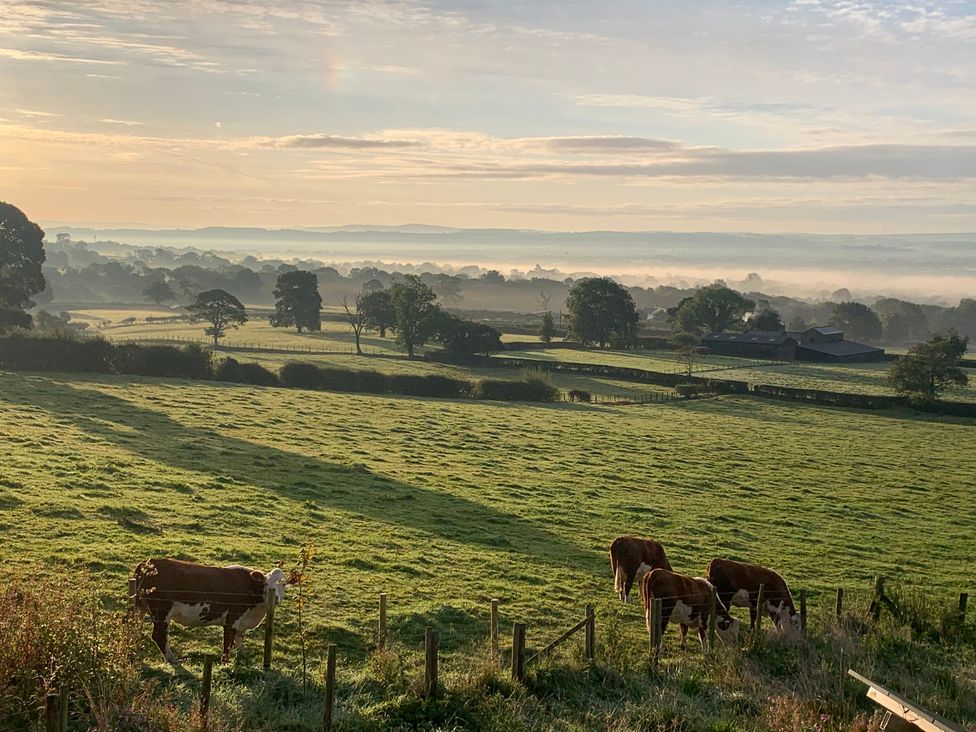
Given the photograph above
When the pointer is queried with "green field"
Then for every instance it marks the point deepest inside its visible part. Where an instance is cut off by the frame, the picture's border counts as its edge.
(859, 378)
(446, 504)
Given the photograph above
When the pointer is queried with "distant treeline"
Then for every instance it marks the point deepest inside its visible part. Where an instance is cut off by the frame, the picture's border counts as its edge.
(27, 352)
(78, 274)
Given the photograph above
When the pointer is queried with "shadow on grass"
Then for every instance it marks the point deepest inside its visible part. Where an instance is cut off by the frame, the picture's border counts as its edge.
(292, 476)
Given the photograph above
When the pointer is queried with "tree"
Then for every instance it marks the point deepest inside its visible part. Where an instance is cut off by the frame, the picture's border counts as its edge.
(766, 319)
(928, 368)
(600, 311)
(547, 329)
(21, 257)
(356, 318)
(378, 309)
(297, 301)
(414, 305)
(857, 320)
(689, 348)
(901, 320)
(448, 288)
(159, 291)
(464, 337)
(711, 309)
(219, 308)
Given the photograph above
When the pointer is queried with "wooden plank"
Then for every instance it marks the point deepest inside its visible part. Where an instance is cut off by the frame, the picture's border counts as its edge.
(269, 599)
(925, 721)
(494, 631)
(581, 624)
(330, 673)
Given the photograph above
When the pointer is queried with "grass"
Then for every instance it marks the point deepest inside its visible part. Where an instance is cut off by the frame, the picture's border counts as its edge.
(446, 504)
(859, 378)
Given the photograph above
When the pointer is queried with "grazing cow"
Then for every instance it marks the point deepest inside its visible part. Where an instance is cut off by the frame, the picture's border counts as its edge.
(195, 594)
(738, 584)
(630, 559)
(686, 601)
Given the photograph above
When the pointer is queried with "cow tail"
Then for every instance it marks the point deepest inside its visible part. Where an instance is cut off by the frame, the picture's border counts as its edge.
(618, 573)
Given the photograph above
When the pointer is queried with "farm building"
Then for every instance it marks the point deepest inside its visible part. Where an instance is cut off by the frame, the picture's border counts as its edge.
(824, 344)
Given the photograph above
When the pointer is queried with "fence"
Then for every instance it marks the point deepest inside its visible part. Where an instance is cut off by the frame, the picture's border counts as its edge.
(57, 712)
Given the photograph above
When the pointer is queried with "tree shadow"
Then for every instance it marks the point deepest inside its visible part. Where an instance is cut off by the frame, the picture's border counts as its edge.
(291, 476)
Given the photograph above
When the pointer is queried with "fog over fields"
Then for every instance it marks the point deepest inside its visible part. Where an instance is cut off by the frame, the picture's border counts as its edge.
(925, 267)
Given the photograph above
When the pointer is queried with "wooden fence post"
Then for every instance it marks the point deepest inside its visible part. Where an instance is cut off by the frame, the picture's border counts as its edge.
(381, 626)
(712, 612)
(760, 599)
(430, 664)
(518, 652)
(589, 636)
(206, 685)
(803, 610)
(52, 713)
(330, 670)
(963, 602)
(839, 607)
(875, 609)
(63, 707)
(269, 598)
(493, 631)
(133, 609)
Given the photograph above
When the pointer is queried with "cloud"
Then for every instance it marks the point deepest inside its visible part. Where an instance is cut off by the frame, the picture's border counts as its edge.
(36, 113)
(321, 141)
(609, 143)
(121, 122)
(19, 55)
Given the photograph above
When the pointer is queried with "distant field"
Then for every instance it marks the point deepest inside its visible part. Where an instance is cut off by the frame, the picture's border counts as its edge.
(862, 378)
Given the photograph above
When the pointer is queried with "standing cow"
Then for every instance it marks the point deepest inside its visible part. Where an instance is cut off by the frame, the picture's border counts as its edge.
(738, 584)
(631, 558)
(195, 594)
(686, 601)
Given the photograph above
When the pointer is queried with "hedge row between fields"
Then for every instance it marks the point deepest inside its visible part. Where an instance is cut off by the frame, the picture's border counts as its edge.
(35, 353)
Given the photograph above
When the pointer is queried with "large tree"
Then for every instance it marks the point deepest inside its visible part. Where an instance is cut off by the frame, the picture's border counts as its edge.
(711, 309)
(928, 368)
(547, 328)
(21, 257)
(356, 317)
(857, 320)
(219, 308)
(465, 337)
(765, 318)
(378, 309)
(415, 305)
(901, 320)
(297, 301)
(601, 311)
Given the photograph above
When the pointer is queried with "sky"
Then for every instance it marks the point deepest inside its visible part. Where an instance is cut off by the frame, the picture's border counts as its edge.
(821, 116)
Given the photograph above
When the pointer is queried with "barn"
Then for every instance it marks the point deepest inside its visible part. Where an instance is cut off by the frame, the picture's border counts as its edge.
(823, 344)
(768, 344)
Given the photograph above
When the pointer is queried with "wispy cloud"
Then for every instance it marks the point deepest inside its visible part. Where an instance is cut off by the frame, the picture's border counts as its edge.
(321, 141)
(19, 55)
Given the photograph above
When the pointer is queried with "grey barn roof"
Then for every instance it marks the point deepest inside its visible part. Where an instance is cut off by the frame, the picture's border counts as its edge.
(751, 336)
(840, 348)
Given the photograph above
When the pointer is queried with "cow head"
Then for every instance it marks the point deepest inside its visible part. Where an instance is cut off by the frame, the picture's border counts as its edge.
(275, 579)
(728, 629)
(788, 623)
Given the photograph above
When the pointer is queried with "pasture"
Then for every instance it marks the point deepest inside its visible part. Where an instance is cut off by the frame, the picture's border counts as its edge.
(445, 504)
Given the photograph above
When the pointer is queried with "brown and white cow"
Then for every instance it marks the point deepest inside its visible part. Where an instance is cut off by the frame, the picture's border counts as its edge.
(686, 601)
(196, 594)
(632, 557)
(738, 584)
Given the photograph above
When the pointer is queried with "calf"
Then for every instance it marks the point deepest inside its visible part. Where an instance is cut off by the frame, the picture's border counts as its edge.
(738, 584)
(631, 558)
(686, 601)
(195, 594)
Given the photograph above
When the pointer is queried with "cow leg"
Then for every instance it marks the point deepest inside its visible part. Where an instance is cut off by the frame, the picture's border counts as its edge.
(701, 637)
(753, 614)
(160, 634)
(628, 584)
(231, 638)
(684, 633)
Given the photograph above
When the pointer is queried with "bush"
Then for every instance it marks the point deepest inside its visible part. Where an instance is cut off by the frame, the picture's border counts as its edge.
(25, 352)
(191, 362)
(687, 391)
(578, 395)
(530, 390)
(230, 369)
(301, 376)
(430, 386)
